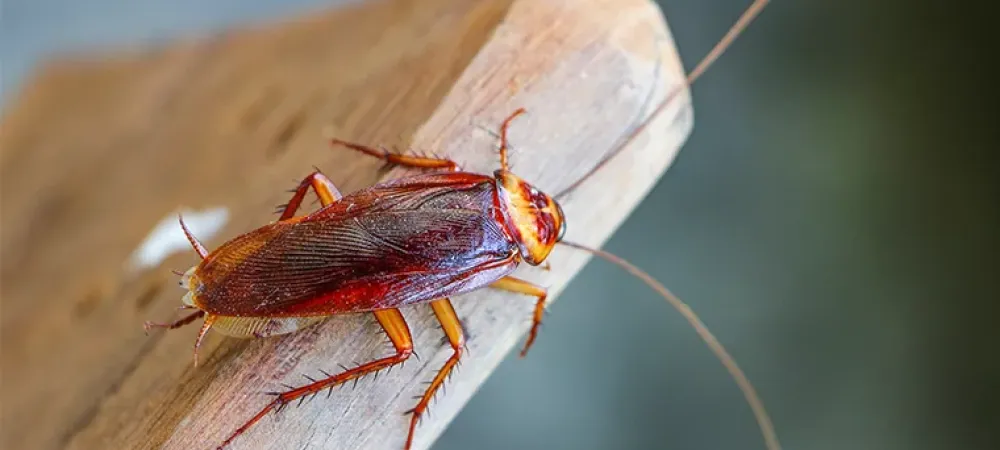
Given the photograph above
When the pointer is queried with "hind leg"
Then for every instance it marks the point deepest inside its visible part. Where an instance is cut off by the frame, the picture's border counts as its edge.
(320, 184)
(399, 333)
(148, 325)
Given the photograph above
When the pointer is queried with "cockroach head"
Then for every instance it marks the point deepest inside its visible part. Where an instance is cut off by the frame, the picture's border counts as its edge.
(534, 218)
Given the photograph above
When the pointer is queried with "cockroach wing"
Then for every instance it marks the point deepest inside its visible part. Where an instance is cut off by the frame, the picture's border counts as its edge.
(360, 262)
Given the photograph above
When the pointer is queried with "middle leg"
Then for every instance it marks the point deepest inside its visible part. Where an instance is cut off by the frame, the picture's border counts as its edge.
(452, 327)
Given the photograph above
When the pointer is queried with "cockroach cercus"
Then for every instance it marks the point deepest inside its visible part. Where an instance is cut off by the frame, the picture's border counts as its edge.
(414, 240)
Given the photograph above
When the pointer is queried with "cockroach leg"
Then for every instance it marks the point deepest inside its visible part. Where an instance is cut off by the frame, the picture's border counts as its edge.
(323, 187)
(401, 160)
(395, 327)
(175, 324)
(520, 286)
(205, 326)
(503, 137)
(452, 327)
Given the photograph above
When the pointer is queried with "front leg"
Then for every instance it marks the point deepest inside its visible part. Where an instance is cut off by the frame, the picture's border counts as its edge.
(520, 286)
(421, 162)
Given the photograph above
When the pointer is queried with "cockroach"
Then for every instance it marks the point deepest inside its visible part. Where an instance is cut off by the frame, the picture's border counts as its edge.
(408, 241)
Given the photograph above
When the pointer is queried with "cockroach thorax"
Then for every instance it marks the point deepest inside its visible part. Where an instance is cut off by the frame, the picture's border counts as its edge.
(534, 219)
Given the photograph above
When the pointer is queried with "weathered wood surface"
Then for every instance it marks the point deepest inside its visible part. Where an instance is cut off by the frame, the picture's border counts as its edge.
(94, 154)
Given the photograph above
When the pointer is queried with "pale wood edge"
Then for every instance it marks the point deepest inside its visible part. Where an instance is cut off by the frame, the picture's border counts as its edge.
(559, 132)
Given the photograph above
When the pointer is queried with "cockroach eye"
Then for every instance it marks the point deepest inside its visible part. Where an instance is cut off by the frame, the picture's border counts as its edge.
(562, 225)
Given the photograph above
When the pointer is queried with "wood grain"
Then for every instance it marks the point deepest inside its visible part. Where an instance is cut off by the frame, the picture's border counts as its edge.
(95, 151)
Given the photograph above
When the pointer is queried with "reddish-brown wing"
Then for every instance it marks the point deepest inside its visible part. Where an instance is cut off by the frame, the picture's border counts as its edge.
(399, 243)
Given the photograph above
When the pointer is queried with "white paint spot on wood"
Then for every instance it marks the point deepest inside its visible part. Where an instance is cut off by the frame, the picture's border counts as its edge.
(167, 238)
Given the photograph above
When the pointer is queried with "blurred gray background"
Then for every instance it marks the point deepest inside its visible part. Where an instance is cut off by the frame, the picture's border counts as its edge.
(833, 218)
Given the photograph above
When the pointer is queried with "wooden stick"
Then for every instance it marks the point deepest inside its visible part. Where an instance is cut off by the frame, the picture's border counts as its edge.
(94, 154)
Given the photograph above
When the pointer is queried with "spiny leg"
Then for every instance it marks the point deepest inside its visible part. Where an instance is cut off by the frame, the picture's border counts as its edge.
(395, 327)
(175, 324)
(205, 326)
(520, 286)
(397, 159)
(323, 187)
(199, 248)
(327, 194)
(452, 327)
(503, 136)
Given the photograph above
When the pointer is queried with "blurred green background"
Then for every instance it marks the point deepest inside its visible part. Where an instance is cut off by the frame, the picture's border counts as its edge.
(833, 218)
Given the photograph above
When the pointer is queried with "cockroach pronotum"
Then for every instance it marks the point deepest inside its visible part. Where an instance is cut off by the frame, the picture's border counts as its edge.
(419, 239)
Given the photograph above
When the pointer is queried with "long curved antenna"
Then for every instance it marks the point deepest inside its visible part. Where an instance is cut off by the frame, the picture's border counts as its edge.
(741, 24)
(763, 419)
(503, 137)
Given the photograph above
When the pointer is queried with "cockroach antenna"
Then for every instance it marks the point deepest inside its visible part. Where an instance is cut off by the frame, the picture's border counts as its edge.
(763, 419)
(629, 135)
(505, 222)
